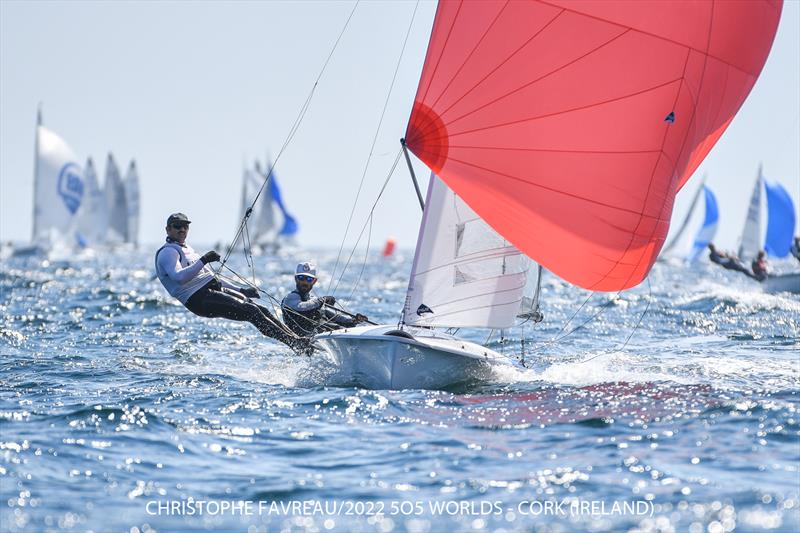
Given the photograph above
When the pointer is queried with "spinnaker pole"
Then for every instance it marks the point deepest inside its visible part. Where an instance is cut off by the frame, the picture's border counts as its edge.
(413, 176)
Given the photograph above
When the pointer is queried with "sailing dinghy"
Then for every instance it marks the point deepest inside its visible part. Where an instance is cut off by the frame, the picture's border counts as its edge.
(58, 192)
(270, 225)
(777, 240)
(566, 128)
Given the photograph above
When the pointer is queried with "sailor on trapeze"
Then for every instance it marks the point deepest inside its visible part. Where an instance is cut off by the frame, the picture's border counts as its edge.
(186, 276)
(727, 261)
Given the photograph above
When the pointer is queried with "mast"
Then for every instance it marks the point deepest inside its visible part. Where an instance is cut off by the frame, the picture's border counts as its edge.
(36, 170)
(413, 176)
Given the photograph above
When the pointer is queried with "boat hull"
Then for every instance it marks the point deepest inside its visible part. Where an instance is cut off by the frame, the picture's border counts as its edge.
(783, 283)
(380, 357)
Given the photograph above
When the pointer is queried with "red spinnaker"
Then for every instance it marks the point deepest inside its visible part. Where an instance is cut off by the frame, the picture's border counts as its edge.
(570, 125)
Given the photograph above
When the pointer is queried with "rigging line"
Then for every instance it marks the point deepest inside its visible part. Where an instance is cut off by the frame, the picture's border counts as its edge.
(559, 337)
(276, 320)
(641, 317)
(248, 251)
(372, 147)
(364, 227)
(291, 134)
(364, 264)
(241, 279)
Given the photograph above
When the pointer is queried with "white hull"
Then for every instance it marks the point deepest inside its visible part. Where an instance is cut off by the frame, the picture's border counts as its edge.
(783, 283)
(375, 357)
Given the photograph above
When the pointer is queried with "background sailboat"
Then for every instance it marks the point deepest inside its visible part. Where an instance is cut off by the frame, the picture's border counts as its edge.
(270, 225)
(92, 217)
(58, 190)
(780, 217)
(777, 240)
(116, 204)
(131, 186)
(709, 211)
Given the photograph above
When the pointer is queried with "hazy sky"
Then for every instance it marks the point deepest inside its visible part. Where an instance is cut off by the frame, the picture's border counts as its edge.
(192, 89)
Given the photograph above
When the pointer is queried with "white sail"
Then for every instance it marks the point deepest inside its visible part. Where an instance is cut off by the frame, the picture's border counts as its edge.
(264, 212)
(115, 203)
(91, 219)
(464, 274)
(261, 224)
(58, 187)
(750, 243)
(131, 185)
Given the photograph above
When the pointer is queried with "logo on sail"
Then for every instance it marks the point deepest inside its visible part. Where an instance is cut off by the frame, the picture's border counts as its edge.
(70, 186)
(423, 309)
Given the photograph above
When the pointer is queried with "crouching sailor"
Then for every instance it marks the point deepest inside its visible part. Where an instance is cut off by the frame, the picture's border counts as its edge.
(186, 276)
(307, 315)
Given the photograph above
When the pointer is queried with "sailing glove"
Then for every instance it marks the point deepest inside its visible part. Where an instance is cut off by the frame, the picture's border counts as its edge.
(328, 300)
(210, 257)
(361, 318)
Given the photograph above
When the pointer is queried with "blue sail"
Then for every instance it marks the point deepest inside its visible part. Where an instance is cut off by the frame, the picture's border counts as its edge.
(780, 220)
(709, 228)
(290, 225)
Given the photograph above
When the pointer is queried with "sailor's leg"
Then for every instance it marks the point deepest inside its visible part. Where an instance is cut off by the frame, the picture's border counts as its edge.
(224, 305)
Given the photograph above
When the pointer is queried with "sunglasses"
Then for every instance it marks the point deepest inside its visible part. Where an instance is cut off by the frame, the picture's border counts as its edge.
(179, 226)
(305, 278)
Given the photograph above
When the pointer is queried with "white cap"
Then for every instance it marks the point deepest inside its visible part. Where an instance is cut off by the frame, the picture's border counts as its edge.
(306, 269)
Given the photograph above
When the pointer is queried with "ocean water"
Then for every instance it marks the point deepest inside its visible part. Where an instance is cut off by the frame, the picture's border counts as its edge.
(669, 407)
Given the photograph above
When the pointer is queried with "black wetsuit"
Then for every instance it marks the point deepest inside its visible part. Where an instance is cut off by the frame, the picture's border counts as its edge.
(215, 301)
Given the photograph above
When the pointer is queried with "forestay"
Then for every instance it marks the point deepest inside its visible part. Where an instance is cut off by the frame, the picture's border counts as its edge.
(464, 274)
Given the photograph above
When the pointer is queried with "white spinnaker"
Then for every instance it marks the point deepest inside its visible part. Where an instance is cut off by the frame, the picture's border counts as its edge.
(464, 274)
(115, 203)
(131, 185)
(92, 218)
(59, 187)
(751, 233)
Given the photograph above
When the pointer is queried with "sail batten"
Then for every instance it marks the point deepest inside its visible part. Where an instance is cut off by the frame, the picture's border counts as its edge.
(570, 126)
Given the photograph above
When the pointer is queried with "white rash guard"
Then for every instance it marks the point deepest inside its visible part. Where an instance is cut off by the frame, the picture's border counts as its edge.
(180, 270)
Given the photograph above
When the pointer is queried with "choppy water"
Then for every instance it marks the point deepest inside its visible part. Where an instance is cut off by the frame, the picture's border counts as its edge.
(121, 411)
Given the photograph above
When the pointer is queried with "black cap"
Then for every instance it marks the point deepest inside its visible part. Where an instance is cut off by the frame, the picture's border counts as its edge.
(178, 217)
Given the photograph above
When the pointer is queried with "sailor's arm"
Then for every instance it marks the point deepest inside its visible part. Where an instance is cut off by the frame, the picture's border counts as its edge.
(344, 321)
(294, 302)
(169, 262)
